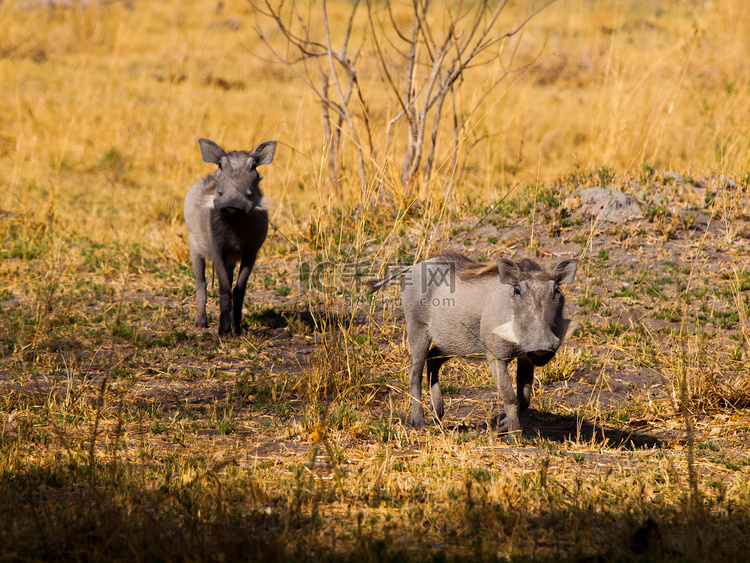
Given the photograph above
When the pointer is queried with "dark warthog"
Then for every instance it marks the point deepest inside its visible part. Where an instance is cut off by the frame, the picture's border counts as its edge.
(227, 224)
(457, 307)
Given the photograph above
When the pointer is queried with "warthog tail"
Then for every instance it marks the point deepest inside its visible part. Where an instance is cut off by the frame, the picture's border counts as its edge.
(374, 285)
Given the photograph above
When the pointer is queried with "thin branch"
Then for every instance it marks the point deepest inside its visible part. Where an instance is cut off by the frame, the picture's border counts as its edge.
(301, 43)
(393, 23)
(349, 27)
(344, 109)
(383, 64)
(433, 140)
(524, 22)
(420, 18)
(488, 27)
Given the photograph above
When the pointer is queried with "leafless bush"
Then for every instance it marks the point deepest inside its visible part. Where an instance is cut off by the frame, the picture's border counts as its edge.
(422, 52)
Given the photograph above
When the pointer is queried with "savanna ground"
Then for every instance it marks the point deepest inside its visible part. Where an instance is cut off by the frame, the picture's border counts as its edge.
(128, 434)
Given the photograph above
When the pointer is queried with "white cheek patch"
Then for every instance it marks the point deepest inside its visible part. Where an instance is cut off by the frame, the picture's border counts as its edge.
(570, 327)
(266, 204)
(506, 332)
(207, 201)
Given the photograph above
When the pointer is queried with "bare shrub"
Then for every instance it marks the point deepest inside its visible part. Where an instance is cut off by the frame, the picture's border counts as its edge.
(423, 53)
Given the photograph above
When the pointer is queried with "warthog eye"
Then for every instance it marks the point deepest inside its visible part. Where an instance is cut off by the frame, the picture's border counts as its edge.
(517, 290)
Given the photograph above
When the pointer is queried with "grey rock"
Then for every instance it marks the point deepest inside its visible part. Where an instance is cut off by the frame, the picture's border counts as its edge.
(609, 205)
(673, 177)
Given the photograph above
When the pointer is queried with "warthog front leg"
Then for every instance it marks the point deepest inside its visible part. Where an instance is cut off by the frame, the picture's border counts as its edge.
(238, 295)
(224, 273)
(524, 382)
(419, 343)
(511, 423)
(435, 359)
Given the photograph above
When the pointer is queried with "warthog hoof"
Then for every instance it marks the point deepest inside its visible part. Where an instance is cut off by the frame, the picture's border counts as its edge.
(503, 425)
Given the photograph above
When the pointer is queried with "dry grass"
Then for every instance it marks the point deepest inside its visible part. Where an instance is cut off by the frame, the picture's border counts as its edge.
(127, 434)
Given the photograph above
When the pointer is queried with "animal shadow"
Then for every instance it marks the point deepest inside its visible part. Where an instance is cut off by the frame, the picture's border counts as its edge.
(566, 428)
(563, 428)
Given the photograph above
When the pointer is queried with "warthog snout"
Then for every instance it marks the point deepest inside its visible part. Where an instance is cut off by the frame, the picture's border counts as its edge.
(541, 351)
(232, 210)
(541, 357)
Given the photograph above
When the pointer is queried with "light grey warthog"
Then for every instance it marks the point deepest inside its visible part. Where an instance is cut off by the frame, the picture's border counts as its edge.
(227, 224)
(457, 307)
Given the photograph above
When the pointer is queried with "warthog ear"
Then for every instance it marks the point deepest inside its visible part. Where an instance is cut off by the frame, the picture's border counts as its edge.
(565, 271)
(509, 271)
(263, 153)
(570, 327)
(506, 332)
(211, 151)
